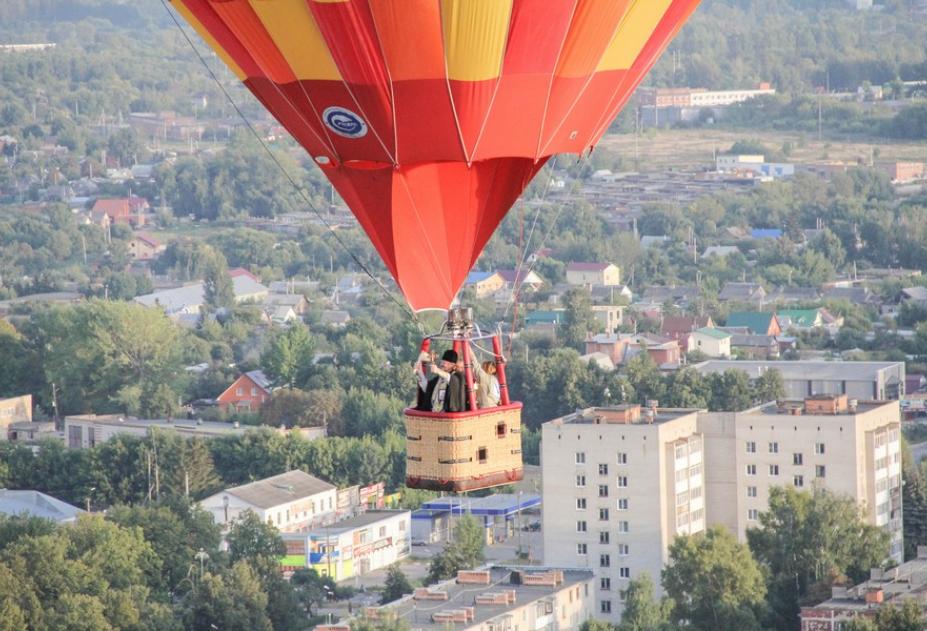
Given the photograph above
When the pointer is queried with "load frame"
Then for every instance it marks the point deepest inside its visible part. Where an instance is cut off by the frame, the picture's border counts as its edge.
(465, 451)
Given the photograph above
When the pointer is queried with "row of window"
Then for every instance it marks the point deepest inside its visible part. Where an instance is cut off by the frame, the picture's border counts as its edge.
(621, 459)
(621, 481)
(820, 471)
(819, 449)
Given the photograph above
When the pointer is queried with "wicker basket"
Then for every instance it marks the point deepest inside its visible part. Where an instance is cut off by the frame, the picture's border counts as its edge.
(463, 451)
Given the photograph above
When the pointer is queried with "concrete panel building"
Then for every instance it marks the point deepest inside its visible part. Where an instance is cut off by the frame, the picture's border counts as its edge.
(618, 485)
(866, 381)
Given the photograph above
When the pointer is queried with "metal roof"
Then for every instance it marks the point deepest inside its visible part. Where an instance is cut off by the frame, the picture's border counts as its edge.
(491, 505)
(279, 489)
(36, 504)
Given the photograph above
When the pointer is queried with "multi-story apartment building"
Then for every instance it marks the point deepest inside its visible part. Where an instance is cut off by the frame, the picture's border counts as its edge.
(619, 484)
(828, 441)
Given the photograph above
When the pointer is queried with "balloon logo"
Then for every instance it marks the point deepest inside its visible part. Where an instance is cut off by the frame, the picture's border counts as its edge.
(344, 122)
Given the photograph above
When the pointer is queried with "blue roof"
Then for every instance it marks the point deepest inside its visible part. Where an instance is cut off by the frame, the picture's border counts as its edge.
(491, 505)
(766, 233)
(476, 277)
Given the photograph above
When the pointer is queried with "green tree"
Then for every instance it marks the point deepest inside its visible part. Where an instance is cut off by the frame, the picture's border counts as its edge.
(396, 585)
(730, 391)
(312, 589)
(298, 408)
(807, 539)
(288, 359)
(714, 582)
(769, 387)
(218, 289)
(464, 551)
(252, 540)
(234, 600)
(578, 318)
(641, 611)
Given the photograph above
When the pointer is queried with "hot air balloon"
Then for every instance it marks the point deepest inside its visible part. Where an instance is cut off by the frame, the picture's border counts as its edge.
(430, 117)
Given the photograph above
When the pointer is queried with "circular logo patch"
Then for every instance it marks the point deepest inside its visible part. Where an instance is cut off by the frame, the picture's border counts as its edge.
(344, 122)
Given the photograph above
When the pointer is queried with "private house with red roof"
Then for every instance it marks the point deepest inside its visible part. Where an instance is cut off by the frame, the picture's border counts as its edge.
(679, 328)
(144, 248)
(593, 275)
(247, 394)
(130, 210)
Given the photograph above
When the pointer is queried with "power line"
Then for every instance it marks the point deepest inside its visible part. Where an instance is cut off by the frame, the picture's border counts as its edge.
(286, 174)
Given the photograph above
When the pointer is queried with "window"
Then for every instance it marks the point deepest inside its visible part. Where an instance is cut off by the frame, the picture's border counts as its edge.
(751, 469)
(819, 449)
(603, 490)
(751, 447)
(481, 455)
(603, 514)
(624, 572)
(580, 481)
(605, 584)
(605, 606)
(623, 503)
(622, 481)
(624, 526)
(581, 526)
(580, 457)
(773, 469)
(796, 459)
(253, 392)
(603, 469)
(751, 491)
(580, 503)
(580, 548)
(605, 560)
(798, 481)
(819, 471)
(773, 448)
(622, 458)
(500, 430)
(753, 514)
(239, 391)
(603, 536)
(624, 549)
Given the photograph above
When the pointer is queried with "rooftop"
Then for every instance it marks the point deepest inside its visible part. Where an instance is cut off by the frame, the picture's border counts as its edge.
(498, 504)
(36, 504)
(280, 489)
(418, 613)
(587, 267)
(816, 370)
(363, 519)
(624, 414)
(717, 334)
(182, 425)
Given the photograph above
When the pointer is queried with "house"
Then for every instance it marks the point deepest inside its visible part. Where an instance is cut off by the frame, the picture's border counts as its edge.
(609, 316)
(720, 251)
(14, 410)
(681, 296)
(290, 501)
(36, 504)
(601, 360)
(128, 210)
(808, 319)
(335, 318)
(915, 297)
(680, 327)
(757, 322)
(247, 394)
(593, 274)
(544, 320)
(26, 432)
(189, 299)
(611, 294)
(296, 302)
(752, 346)
(280, 315)
(787, 294)
(484, 284)
(855, 295)
(710, 341)
(743, 292)
(621, 348)
(144, 248)
(765, 233)
(523, 280)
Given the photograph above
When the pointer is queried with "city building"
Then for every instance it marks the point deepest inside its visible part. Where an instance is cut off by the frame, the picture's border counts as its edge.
(82, 431)
(14, 410)
(352, 547)
(894, 586)
(247, 394)
(621, 347)
(866, 381)
(831, 442)
(291, 501)
(36, 504)
(618, 485)
(496, 599)
(189, 299)
(593, 274)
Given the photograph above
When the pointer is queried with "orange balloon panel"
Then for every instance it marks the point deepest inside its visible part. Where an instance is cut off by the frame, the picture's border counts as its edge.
(431, 116)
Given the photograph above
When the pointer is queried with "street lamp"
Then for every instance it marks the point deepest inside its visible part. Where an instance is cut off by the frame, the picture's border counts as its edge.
(89, 493)
(202, 557)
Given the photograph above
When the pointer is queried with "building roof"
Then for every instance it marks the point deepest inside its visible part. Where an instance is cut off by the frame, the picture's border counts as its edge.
(280, 489)
(915, 293)
(800, 317)
(817, 370)
(673, 325)
(192, 296)
(588, 267)
(364, 519)
(742, 291)
(259, 378)
(334, 316)
(859, 295)
(150, 241)
(498, 504)
(545, 317)
(478, 277)
(112, 207)
(756, 321)
(36, 504)
(418, 613)
(712, 332)
(524, 276)
(765, 233)
(721, 250)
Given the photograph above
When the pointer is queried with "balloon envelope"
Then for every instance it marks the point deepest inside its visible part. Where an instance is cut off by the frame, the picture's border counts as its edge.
(431, 116)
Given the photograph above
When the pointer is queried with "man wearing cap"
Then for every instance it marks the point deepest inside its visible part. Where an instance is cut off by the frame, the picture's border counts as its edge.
(450, 392)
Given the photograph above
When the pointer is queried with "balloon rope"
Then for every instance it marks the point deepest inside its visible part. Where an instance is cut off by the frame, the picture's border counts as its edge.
(287, 175)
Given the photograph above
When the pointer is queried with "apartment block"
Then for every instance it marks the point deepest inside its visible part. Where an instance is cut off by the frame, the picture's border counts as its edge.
(618, 485)
(827, 441)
